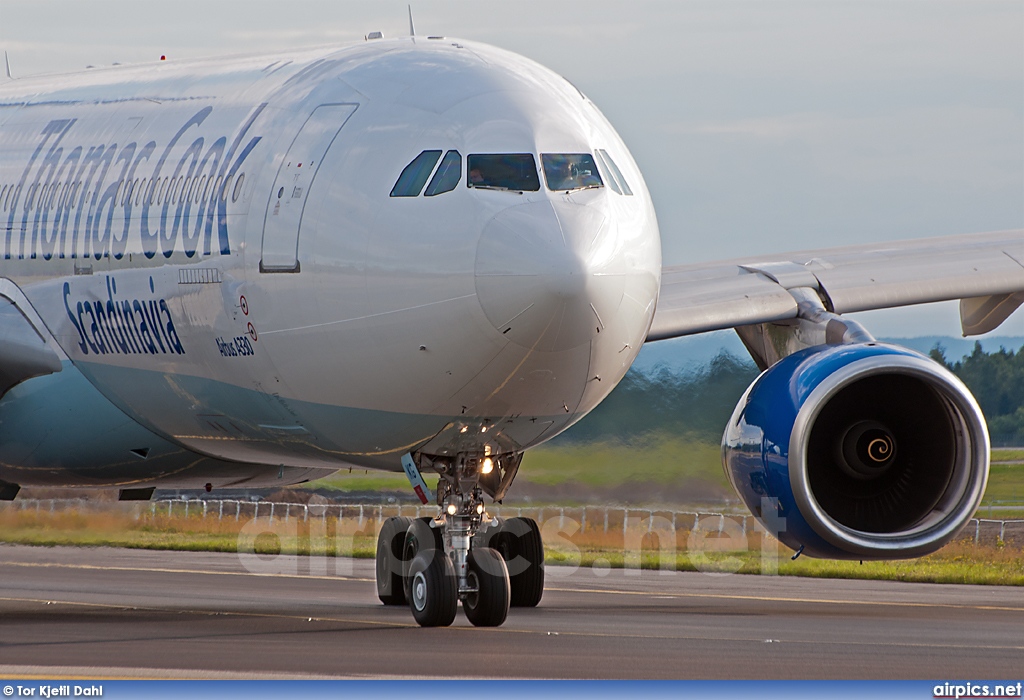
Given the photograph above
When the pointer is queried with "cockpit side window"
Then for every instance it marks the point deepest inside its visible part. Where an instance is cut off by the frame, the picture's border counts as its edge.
(612, 182)
(614, 174)
(570, 171)
(414, 176)
(503, 171)
(447, 176)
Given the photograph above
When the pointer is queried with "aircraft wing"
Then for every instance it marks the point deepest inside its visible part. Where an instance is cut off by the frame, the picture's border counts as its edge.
(984, 270)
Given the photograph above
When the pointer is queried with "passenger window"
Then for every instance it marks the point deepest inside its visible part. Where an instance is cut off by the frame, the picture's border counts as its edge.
(447, 176)
(614, 172)
(414, 176)
(505, 171)
(570, 171)
(237, 192)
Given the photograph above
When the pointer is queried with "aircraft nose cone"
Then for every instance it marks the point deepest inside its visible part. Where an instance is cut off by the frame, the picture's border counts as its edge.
(545, 274)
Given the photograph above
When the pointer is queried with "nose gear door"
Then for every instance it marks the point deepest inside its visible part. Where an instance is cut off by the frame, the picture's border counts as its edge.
(294, 178)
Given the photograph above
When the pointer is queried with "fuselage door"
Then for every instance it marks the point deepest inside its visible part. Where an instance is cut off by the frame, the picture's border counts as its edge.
(294, 179)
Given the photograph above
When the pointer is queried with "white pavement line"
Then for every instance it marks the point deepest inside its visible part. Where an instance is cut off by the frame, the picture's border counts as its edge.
(208, 613)
(780, 599)
(155, 570)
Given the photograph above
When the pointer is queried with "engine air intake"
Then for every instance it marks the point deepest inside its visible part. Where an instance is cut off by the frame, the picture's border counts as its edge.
(869, 451)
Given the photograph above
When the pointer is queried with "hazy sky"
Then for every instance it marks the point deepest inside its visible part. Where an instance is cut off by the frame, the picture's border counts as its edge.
(760, 127)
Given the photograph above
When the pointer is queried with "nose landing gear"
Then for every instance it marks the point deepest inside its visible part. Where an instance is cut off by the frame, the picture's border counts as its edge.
(448, 559)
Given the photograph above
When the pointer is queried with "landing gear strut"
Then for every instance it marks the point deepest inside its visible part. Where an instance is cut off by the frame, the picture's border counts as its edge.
(450, 558)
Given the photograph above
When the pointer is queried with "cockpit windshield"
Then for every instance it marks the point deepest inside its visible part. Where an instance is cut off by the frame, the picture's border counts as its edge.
(503, 171)
(570, 171)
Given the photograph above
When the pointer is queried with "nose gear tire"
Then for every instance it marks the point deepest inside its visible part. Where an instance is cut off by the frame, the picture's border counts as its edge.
(519, 544)
(487, 605)
(433, 590)
(390, 565)
(419, 537)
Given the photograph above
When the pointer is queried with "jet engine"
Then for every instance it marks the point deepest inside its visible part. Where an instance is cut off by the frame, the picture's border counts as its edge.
(859, 451)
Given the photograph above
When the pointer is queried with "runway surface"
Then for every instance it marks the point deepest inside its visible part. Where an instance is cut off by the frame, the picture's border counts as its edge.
(130, 613)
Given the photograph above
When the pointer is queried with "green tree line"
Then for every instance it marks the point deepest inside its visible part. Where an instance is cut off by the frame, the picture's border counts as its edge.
(997, 381)
(698, 403)
(695, 404)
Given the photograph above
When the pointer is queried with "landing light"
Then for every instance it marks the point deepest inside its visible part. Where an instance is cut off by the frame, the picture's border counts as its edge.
(488, 466)
(479, 508)
(452, 509)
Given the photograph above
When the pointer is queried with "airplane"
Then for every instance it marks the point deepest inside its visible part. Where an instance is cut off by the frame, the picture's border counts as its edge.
(426, 254)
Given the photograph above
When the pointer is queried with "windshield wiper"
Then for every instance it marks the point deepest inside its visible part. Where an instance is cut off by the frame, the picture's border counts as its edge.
(498, 188)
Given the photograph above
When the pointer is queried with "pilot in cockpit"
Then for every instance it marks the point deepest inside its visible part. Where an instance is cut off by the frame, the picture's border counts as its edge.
(570, 172)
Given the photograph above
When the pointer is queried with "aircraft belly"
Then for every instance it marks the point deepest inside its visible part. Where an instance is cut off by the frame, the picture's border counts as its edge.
(321, 436)
(58, 430)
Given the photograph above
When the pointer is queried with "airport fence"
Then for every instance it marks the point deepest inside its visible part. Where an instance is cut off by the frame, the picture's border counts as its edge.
(367, 518)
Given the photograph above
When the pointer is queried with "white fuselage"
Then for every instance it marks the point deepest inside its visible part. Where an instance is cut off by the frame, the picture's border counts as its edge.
(213, 246)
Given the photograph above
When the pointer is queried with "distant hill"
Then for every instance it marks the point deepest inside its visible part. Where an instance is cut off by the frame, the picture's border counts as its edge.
(693, 352)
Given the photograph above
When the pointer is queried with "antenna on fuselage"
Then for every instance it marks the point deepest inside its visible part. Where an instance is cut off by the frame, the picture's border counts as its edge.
(412, 27)
(7, 66)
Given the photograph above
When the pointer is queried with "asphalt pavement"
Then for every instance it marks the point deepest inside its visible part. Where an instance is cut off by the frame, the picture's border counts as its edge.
(119, 613)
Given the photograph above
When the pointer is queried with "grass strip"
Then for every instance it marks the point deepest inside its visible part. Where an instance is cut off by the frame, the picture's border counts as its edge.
(958, 562)
(1002, 454)
(613, 468)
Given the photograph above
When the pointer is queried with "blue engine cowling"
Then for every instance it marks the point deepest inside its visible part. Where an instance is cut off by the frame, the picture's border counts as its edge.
(865, 451)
